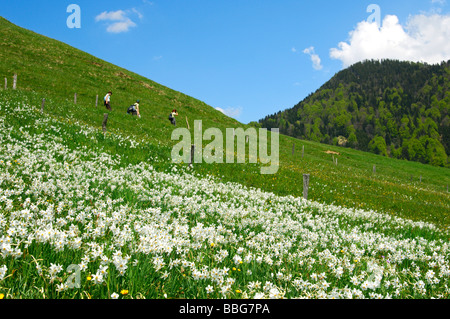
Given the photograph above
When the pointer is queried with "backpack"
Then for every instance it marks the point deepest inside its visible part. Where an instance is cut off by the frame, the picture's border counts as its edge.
(131, 109)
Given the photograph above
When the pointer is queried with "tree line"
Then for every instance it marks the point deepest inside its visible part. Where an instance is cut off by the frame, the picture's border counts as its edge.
(388, 107)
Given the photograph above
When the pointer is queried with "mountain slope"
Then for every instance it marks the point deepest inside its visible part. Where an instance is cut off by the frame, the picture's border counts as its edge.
(397, 109)
(56, 70)
(406, 189)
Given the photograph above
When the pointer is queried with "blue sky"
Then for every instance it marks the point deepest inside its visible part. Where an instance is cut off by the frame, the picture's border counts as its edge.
(250, 58)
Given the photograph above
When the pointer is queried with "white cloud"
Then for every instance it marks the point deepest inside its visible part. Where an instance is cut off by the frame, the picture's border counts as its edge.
(140, 15)
(118, 15)
(234, 112)
(424, 38)
(119, 27)
(314, 58)
(118, 21)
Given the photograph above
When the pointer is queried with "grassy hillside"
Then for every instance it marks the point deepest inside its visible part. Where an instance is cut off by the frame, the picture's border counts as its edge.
(57, 71)
(49, 69)
(79, 220)
(91, 215)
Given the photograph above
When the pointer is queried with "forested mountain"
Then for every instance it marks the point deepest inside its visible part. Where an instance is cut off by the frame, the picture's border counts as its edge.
(393, 108)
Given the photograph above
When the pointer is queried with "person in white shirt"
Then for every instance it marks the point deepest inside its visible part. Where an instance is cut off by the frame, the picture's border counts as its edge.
(107, 100)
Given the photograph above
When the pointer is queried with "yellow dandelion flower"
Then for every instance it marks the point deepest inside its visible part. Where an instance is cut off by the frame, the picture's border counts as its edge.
(124, 292)
(2, 296)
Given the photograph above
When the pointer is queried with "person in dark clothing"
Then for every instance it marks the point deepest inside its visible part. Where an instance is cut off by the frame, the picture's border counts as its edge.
(172, 117)
(134, 109)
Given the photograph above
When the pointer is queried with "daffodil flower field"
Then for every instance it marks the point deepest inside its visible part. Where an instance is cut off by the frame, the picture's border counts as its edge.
(76, 222)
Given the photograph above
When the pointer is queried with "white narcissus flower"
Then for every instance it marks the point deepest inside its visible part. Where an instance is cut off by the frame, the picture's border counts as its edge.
(3, 270)
(259, 295)
(114, 295)
(209, 289)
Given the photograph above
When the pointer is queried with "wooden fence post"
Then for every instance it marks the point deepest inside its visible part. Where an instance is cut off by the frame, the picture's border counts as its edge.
(15, 82)
(42, 106)
(187, 122)
(75, 99)
(105, 122)
(305, 185)
(293, 149)
(96, 101)
(374, 169)
(303, 151)
(6, 83)
(192, 155)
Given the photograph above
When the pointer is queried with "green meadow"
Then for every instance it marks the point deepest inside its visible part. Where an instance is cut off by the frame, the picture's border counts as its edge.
(141, 226)
(339, 176)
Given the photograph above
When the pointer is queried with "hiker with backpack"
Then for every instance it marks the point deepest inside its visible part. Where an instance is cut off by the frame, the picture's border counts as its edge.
(107, 100)
(172, 117)
(134, 109)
